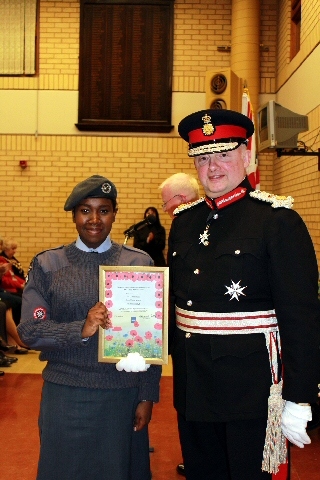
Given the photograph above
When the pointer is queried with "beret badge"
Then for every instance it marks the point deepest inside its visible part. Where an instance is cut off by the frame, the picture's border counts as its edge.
(208, 128)
(106, 187)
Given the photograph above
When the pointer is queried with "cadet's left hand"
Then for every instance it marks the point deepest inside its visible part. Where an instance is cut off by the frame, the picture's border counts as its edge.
(143, 415)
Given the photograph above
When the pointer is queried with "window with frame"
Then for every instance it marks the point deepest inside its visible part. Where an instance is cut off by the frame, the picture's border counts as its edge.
(18, 37)
(295, 27)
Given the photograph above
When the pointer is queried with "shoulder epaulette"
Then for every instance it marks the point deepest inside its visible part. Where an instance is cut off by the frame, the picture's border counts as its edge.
(275, 200)
(186, 206)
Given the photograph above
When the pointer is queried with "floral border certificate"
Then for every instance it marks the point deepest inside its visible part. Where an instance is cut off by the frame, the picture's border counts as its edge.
(137, 301)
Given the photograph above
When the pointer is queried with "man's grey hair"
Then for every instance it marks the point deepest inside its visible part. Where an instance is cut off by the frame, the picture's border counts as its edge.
(182, 184)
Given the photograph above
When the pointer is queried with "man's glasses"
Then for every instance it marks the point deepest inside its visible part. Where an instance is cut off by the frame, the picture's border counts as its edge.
(166, 203)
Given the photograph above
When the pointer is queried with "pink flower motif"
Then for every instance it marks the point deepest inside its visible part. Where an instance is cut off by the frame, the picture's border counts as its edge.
(159, 315)
(129, 343)
(133, 276)
(141, 277)
(138, 339)
(109, 304)
(109, 338)
(157, 326)
(158, 294)
(108, 293)
(158, 341)
(159, 304)
(126, 275)
(148, 335)
(117, 329)
(110, 315)
(108, 284)
(159, 285)
(136, 324)
(133, 333)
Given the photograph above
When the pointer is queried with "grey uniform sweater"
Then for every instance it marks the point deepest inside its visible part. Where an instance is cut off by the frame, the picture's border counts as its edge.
(62, 286)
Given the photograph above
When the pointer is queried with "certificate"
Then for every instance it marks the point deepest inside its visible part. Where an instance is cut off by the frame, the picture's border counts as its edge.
(137, 302)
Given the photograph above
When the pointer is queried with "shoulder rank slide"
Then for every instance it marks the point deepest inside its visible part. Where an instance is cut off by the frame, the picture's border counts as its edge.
(186, 206)
(275, 200)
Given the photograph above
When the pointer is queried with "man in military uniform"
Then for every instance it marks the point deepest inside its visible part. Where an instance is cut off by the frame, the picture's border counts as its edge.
(243, 276)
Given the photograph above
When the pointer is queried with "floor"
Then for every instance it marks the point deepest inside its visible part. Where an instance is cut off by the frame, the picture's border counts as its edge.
(20, 390)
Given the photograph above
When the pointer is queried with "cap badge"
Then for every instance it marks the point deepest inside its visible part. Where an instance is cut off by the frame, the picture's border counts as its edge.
(106, 187)
(208, 128)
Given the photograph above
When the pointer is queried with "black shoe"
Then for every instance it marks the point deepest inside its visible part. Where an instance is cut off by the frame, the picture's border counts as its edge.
(4, 362)
(1, 374)
(20, 351)
(4, 347)
(11, 359)
(180, 469)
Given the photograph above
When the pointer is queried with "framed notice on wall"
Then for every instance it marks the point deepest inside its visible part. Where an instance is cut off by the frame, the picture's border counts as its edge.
(125, 69)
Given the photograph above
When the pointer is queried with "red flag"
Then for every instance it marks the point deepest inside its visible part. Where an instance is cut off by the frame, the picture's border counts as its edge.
(252, 169)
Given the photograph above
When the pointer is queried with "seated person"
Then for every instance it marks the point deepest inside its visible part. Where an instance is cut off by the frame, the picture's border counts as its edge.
(10, 340)
(12, 274)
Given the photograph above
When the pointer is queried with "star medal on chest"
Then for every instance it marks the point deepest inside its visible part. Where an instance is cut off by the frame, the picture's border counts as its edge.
(215, 205)
(235, 290)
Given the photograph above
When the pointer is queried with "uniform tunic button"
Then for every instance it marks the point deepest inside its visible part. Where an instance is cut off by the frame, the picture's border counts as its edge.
(189, 303)
(174, 254)
(237, 252)
(197, 271)
(188, 335)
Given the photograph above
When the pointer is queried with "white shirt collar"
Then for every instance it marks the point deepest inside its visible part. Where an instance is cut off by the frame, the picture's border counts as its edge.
(102, 248)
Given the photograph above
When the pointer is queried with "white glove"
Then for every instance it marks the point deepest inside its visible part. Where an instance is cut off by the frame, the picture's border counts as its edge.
(294, 423)
(133, 362)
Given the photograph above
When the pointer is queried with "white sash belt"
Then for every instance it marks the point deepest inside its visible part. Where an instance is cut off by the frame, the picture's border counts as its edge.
(226, 323)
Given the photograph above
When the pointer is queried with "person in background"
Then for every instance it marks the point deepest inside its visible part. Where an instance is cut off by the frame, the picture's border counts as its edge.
(10, 341)
(11, 300)
(152, 237)
(13, 280)
(245, 309)
(177, 189)
(92, 415)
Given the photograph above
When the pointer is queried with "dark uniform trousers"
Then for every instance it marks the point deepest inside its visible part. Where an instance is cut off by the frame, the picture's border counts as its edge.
(223, 450)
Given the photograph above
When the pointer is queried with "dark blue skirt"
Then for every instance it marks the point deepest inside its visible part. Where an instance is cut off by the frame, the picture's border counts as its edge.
(88, 434)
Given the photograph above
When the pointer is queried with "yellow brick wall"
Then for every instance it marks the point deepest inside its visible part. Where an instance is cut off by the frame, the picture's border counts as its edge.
(268, 40)
(199, 28)
(299, 177)
(31, 200)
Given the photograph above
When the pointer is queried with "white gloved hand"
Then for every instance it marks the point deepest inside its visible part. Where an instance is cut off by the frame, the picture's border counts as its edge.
(294, 423)
(133, 362)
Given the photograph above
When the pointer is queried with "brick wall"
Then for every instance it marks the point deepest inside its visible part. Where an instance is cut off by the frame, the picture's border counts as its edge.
(31, 200)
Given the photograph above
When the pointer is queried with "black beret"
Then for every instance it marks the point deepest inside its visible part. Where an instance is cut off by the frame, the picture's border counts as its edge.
(210, 131)
(95, 186)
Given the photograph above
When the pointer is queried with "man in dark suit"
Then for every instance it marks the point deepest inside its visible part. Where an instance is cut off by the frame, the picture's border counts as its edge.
(243, 276)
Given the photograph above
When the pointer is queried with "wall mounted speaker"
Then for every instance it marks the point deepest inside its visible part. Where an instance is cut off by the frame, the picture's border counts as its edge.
(223, 90)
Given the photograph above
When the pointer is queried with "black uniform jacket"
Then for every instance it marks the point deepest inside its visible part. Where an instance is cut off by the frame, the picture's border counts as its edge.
(269, 251)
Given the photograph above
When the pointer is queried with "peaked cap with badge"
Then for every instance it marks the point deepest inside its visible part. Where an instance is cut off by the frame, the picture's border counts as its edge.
(214, 131)
(95, 186)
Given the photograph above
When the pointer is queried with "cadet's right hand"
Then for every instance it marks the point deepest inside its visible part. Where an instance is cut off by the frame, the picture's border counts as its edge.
(97, 316)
